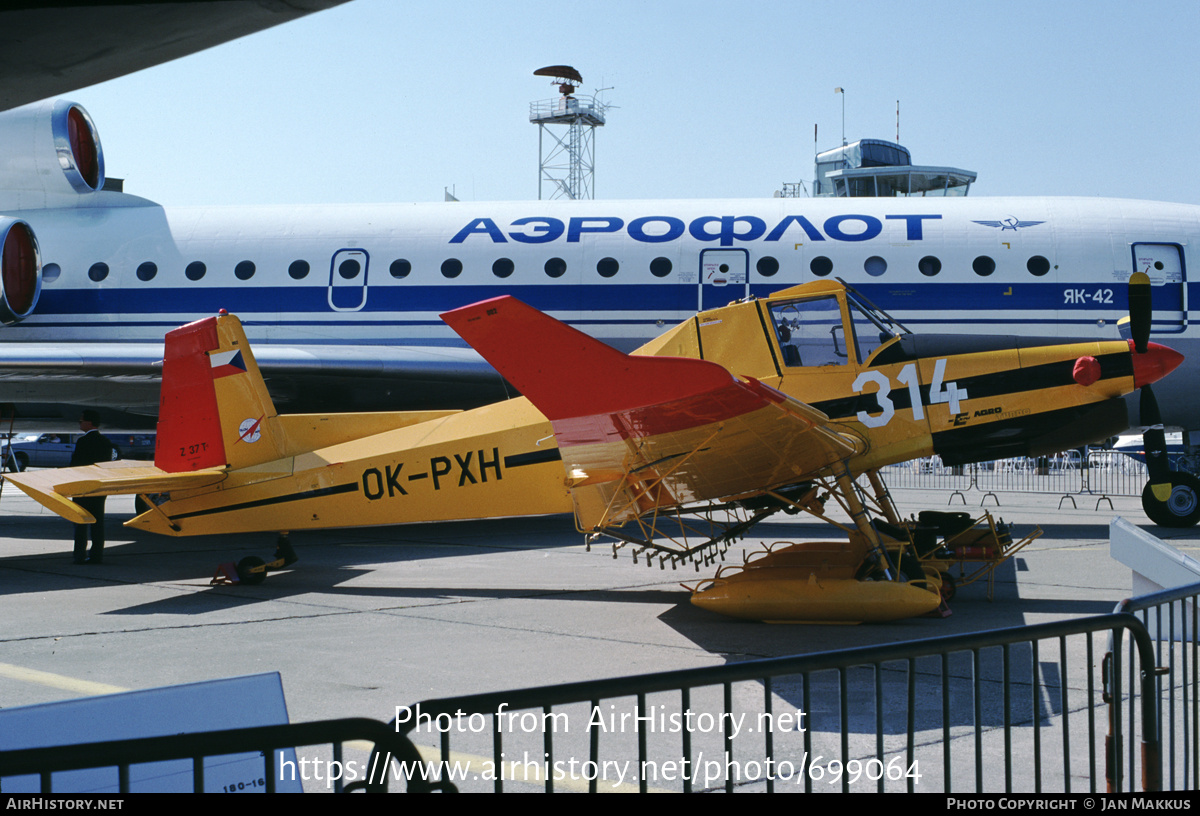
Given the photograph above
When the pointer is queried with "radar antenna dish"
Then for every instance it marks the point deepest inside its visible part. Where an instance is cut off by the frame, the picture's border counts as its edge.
(566, 77)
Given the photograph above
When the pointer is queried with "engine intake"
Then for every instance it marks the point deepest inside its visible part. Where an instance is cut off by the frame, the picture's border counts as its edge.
(50, 155)
(78, 148)
(20, 271)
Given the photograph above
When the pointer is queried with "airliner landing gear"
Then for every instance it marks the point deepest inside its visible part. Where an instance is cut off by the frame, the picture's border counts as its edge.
(1182, 509)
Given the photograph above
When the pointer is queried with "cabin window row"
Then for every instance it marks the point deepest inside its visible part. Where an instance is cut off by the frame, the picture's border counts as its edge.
(929, 266)
(350, 268)
(660, 267)
(148, 271)
(554, 267)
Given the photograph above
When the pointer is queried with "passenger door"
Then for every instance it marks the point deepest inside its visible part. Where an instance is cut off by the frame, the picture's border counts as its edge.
(348, 280)
(1163, 264)
(723, 277)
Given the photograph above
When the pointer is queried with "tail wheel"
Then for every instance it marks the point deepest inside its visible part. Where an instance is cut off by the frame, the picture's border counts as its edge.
(1182, 509)
(251, 570)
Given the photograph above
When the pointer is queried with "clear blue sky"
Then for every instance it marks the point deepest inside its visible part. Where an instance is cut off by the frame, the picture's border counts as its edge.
(392, 101)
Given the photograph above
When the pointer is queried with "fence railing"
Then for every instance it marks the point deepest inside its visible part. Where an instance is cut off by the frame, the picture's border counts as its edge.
(1170, 618)
(1013, 710)
(1100, 474)
(121, 755)
(933, 715)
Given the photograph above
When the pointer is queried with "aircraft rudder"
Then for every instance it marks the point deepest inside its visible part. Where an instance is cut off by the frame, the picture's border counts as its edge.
(189, 428)
(214, 406)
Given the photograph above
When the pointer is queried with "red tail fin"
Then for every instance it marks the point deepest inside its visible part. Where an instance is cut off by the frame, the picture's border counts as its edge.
(214, 409)
(189, 425)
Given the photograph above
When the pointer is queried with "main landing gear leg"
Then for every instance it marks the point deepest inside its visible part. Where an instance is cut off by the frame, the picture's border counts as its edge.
(883, 497)
(862, 521)
(908, 565)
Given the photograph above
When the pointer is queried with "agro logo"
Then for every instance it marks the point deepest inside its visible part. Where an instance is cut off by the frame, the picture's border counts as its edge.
(961, 419)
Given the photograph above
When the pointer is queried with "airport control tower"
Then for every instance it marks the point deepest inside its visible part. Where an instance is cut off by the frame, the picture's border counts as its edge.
(566, 136)
(875, 168)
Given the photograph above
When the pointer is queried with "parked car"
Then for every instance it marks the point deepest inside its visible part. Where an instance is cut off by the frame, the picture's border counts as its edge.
(41, 450)
(133, 445)
(55, 449)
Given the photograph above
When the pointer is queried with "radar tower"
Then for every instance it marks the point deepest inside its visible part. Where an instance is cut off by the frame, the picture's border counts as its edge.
(566, 136)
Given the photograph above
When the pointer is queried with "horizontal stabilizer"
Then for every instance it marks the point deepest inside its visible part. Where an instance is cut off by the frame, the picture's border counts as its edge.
(54, 488)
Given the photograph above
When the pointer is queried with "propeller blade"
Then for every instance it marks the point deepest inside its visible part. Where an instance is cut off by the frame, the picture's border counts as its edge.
(1155, 442)
(1139, 310)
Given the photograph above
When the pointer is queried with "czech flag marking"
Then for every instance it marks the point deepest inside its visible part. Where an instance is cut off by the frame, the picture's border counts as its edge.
(227, 363)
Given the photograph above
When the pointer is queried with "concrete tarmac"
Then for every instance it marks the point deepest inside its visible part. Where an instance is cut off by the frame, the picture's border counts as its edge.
(371, 619)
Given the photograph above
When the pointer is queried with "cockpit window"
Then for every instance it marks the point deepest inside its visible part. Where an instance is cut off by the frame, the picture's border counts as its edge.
(868, 336)
(810, 332)
(871, 325)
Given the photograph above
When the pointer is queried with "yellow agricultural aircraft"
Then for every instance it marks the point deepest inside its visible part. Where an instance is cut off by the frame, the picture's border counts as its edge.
(762, 405)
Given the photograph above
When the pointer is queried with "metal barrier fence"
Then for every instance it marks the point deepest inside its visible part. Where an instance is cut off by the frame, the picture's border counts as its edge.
(120, 755)
(1101, 473)
(1011, 710)
(918, 716)
(1170, 617)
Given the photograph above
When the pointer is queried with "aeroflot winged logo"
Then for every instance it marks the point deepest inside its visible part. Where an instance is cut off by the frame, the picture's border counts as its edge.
(1011, 223)
(724, 229)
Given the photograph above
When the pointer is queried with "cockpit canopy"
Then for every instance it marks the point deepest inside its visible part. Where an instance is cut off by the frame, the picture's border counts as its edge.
(810, 330)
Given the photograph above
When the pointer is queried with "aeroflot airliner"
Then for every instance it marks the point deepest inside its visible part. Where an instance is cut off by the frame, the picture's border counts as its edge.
(342, 302)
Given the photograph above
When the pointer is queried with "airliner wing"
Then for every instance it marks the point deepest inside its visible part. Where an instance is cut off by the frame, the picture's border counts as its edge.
(47, 49)
(318, 378)
(640, 432)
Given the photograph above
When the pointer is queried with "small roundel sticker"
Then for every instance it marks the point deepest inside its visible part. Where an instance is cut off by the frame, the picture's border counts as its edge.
(250, 430)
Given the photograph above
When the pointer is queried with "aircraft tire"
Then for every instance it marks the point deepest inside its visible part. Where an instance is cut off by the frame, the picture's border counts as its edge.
(1182, 509)
(244, 568)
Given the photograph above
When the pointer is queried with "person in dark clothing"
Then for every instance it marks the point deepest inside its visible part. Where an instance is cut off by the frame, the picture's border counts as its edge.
(91, 448)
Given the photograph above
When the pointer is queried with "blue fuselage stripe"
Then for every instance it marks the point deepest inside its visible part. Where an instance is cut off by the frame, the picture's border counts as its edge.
(629, 298)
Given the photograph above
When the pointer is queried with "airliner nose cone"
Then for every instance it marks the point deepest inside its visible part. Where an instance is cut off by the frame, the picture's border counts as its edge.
(1156, 363)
